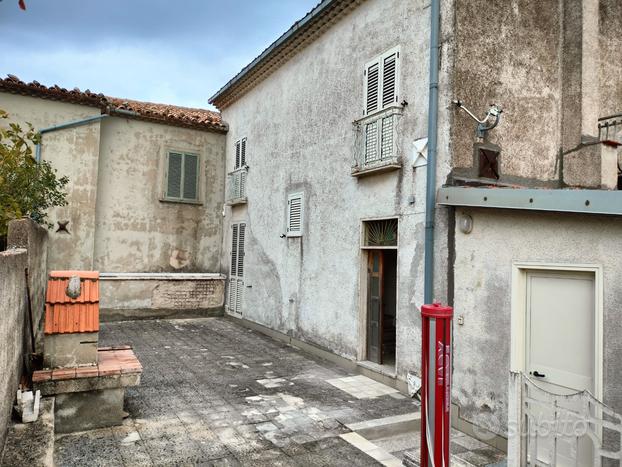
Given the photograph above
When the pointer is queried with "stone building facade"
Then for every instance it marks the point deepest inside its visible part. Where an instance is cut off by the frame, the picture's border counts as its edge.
(533, 200)
(144, 194)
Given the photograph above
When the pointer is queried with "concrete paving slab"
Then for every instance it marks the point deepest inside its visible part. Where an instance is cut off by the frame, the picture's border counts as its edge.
(204, 399)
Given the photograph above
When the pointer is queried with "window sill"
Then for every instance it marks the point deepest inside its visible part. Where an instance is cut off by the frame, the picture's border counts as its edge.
(388, 165)
(181, 201)
(237, 201)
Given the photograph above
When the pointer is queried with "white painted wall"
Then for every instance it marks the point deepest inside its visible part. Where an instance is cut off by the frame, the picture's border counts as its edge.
(483, 284)
(300, 138)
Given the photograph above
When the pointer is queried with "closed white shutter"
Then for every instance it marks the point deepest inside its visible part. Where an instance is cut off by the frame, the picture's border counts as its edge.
(382, 81)
(241, 236)
(234, 250)
(295, 212)
(243, 153)
(372, 87)
(233, 292)
(239, 295)
(236, 280)
(389, 79)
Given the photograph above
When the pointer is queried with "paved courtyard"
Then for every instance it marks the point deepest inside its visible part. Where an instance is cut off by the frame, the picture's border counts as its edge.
(216, 393)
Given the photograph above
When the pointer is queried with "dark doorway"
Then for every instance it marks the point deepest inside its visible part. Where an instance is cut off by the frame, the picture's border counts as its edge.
(381, 305)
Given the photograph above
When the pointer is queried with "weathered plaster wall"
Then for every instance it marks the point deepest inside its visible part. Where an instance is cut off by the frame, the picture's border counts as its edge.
(553, 87)
(300, 138)
(483, 284)
(25, 233)
(509, 53)
(13, 309)
(15, 337)
(610, 43)
(135, 231)
(73, 152)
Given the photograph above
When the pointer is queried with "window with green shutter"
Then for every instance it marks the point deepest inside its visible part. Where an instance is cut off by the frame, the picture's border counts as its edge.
(182, 177)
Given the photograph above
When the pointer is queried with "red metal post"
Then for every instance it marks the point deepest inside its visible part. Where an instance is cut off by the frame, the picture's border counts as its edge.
(435, 384)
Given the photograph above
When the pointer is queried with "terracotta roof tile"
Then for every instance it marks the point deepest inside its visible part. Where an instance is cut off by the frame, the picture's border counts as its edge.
(201, 119)
(64, 314)
(109, 363)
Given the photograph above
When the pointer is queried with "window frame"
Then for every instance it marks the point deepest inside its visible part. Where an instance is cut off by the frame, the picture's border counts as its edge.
(299, 233)
(379, 60)
(199, 177)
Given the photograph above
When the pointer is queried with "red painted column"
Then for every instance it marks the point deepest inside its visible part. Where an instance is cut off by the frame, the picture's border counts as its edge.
(435, 384)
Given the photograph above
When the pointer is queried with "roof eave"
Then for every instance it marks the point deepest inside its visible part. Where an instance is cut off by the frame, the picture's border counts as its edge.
(220, 98)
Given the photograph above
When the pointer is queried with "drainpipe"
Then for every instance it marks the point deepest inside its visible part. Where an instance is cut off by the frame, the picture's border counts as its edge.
(63, 126)
(430, 198)
(85, 121)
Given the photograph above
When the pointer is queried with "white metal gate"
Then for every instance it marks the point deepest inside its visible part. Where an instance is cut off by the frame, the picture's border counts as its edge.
(559, 430)
(236, 274)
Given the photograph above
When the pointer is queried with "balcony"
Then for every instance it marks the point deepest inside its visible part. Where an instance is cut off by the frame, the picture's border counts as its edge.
(236, 183)
(376, 149)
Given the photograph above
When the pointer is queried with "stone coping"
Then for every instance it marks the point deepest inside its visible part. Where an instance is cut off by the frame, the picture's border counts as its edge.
(166, 276)
(116, 367)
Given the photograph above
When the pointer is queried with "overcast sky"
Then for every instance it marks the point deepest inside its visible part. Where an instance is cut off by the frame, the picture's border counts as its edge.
(173, 51)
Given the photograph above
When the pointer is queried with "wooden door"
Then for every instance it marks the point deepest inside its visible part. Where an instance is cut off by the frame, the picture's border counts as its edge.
(374, 305)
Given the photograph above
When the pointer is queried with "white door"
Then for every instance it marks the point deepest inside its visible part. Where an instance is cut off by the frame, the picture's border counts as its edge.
(560, 353)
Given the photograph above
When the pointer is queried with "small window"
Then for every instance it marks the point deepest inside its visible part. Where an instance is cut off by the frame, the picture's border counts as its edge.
(182, 177)
(295, 215)
(380, 233)
(382, 82)
(240, 153)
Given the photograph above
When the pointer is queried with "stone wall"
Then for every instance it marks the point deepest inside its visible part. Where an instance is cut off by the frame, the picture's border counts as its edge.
(15, 334)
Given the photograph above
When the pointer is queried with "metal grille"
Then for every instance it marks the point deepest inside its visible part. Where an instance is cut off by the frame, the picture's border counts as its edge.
(565, 429)
(381, 232)
(386, 148)
(388, 80)
(371, 142)
(237, 184)
(372, 88)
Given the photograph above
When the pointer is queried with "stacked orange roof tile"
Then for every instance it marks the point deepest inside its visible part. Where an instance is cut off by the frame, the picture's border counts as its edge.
(200, 119)
(64, 314)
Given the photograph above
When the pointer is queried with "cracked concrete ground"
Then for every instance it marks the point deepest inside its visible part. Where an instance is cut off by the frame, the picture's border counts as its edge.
(216, 393)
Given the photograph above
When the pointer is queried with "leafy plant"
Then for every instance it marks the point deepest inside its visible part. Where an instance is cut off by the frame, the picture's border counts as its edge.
(27, 188)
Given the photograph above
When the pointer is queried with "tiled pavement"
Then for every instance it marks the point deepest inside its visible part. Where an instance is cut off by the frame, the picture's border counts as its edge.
(215, 393)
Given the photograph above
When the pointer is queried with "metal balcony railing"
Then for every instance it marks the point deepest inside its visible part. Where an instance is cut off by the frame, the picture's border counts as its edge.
(376, 142)
(237, 186)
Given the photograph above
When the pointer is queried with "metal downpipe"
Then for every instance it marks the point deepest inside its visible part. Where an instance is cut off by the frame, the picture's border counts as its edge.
(430, 202)
(62, 126)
